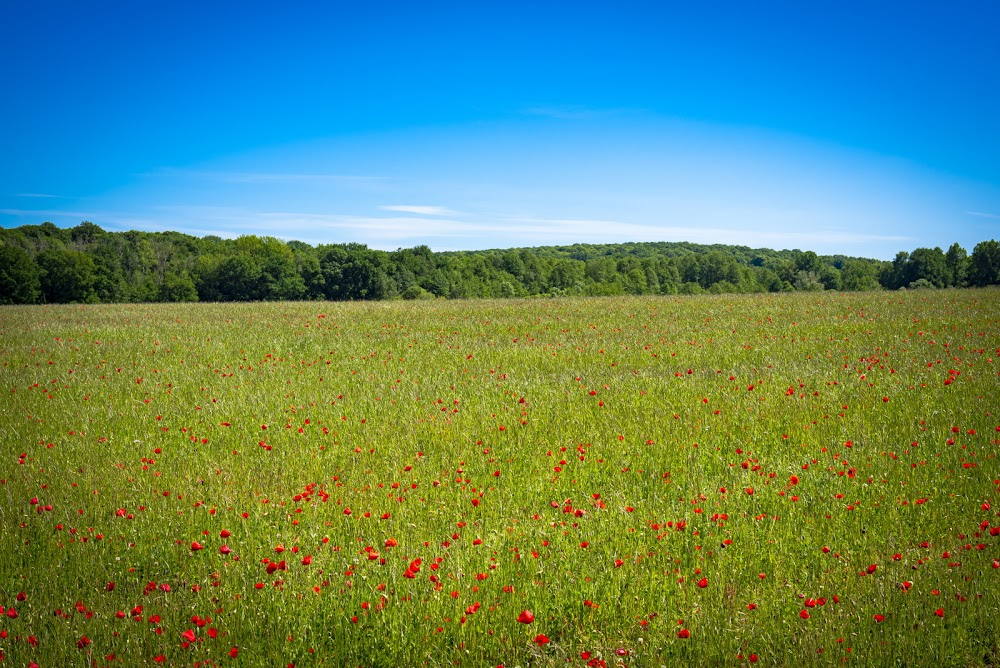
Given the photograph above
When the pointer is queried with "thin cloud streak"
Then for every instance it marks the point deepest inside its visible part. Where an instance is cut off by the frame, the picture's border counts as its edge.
(983, 214)
(268, 177)
(486, 231)
(60, 213)
(422, 210)
(610, 229)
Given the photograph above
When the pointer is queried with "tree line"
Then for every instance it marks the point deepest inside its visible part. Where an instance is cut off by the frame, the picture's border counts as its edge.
(86, 264)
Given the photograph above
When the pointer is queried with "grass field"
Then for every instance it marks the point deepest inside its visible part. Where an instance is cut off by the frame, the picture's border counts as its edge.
(780, 480)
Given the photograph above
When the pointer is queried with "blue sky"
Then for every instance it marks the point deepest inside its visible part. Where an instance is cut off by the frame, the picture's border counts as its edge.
(838, 127)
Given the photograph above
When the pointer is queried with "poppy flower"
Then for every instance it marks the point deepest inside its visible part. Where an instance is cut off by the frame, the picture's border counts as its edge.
(541, 639)
(195, 546)
(939, 612)
(526, 617)
(188, 635)
(702, 583)
(804, 614)
(683, 633)
(879, 618)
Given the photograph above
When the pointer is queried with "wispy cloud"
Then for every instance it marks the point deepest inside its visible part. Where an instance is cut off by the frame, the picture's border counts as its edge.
(448, 229)
(40, 195)
(983, 214)
(422, 210)
(267, 177)
(575, 229)
(379, 231)
(56, 213)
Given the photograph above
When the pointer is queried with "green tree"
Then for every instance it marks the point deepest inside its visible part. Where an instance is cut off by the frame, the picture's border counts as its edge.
(896, 274)
(67, 276)
(830, 277)
(984, 264)
(177, 288)
(85, 234)
(807, 262)
(808, 281)
(19, 283)
(237, 278)
(929, 264)
(859, 275)
(957, 261)
(566, 274)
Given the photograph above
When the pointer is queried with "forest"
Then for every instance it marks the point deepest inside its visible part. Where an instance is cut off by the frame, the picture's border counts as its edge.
(87, 264)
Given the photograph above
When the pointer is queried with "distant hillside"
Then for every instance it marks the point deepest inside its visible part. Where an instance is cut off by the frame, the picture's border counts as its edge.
(47, 264)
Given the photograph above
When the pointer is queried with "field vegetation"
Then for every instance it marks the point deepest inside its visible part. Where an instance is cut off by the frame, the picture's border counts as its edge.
(776, 479)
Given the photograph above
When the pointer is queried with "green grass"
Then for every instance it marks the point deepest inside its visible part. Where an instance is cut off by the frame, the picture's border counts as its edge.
(636, 414)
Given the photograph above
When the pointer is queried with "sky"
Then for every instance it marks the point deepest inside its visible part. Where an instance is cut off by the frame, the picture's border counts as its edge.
(841, 127)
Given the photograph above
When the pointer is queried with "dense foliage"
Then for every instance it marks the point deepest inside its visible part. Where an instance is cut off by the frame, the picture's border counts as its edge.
(86, 264)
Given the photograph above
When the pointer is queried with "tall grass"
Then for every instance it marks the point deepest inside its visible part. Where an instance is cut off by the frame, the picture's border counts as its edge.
(593, 461)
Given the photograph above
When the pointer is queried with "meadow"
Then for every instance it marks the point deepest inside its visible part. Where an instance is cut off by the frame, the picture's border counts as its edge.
(792, 479)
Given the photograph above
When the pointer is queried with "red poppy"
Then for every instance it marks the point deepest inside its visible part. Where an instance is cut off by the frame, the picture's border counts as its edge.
(702, 583)
(542, 639)
(526, 617)
(683, 633)
(939, 612)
